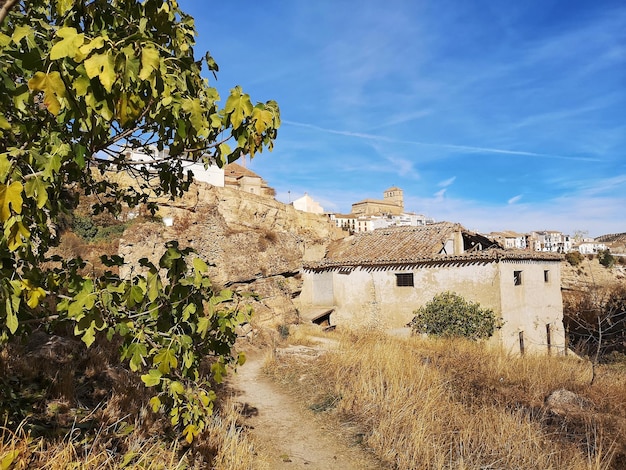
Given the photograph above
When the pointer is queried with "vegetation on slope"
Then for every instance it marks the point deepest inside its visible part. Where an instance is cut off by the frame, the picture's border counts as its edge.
(455, 404)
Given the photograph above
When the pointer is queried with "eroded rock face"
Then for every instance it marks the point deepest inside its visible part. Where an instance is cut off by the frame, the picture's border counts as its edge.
(255, 243)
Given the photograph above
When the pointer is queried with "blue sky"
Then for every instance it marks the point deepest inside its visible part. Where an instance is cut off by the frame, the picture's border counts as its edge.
(495, 114)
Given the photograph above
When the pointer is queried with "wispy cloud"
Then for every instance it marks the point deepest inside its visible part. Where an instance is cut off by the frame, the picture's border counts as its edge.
(464, 148)
(514, 199)
(446, 183)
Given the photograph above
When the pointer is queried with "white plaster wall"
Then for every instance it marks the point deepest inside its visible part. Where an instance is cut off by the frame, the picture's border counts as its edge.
(213, 174)
(532, 305)
(373, 297)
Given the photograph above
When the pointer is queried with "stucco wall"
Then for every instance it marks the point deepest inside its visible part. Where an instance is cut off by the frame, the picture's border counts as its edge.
(365, 297)
(532, 305)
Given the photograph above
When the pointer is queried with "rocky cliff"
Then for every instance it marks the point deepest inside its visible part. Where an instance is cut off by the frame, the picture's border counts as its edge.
(255, 243)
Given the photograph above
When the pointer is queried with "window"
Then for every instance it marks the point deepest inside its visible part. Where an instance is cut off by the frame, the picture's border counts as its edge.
(546, 276)
(521, 342)
(404, 280)
(517, 278)
(548, 337)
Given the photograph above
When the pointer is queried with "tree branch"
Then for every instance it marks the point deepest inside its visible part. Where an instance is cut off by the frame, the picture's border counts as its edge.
(6, 6)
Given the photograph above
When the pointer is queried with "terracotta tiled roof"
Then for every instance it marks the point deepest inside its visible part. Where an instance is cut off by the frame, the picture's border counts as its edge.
(235, 170)
(412, 246)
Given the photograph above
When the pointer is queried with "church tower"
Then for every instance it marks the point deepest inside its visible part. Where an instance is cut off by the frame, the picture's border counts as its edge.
(395, 195)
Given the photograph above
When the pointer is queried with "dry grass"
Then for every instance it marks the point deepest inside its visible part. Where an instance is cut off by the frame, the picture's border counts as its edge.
(223, 446)
(445, 404)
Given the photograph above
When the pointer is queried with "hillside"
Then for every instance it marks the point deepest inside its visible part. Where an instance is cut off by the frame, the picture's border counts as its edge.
(255, 243)
(589, 273)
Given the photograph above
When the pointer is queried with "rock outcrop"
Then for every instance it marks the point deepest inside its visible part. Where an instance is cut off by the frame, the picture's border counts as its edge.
(254, 243)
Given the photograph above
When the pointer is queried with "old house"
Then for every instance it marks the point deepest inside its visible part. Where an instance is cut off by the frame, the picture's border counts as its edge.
(381, 277)
(243, 179)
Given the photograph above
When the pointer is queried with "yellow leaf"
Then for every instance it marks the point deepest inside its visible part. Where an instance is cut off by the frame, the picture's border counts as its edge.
(103, 67)
(10, 198)
(8, 458)
(68, 45)
(63, 6)
(53, 88)
(86, 49)
(20, 33)
(190, 432)
(150, 61)
(15, 234)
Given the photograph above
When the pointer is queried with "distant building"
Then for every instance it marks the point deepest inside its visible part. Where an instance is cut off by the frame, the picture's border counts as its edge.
(393, 203)
(307, 204)
(550, 240)
(510, 240)
(588, 246)
(210, 173)
(239, 177)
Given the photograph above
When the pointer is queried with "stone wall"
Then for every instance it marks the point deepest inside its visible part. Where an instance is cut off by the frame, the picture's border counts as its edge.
(255, 243)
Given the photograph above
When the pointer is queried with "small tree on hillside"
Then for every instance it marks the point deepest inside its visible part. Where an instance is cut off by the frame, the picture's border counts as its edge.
(450, 315)
(574, 258)
(606, 259)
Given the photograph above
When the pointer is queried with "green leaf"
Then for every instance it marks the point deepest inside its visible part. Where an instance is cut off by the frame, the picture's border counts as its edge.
(152, 378)
(194, 108)
(176, 387)
(155, 402)
(12, 306)
(154, 286)
(68, 45)
(10, 199)
(165, 360)
(238, 105)
(131, 65)
(103, 67)
(36, 188)
(150, 61)
(137, 352)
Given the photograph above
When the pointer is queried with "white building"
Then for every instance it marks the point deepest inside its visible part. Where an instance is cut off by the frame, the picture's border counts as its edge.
(208, 173)
(307, 204)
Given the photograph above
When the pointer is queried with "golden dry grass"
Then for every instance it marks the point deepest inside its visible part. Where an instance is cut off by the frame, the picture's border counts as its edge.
(454, 404)
(223, 446)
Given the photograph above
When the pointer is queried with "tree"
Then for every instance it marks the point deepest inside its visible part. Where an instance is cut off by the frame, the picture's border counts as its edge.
(450, 315)
(82, 82)
(606, 259)
(595, 321)
(574, 258)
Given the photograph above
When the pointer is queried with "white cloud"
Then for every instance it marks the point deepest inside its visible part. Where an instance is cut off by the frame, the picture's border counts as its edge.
(446, 183)
(514, 199)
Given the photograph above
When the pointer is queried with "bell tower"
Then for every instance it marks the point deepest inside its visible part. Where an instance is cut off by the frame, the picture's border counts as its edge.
(395, 196)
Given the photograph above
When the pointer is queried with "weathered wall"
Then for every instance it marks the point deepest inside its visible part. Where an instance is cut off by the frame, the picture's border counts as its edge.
(371, 297)
(364, 296)
(529, 307)
(255, 242)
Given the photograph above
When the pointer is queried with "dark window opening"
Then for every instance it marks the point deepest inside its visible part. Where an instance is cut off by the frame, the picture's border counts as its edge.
(404, 280)
(546, 276)
(517, 278)
(548, 337)
(521, 342)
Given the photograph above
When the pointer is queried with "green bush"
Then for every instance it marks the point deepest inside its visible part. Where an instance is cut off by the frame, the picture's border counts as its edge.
(450, 315)
(574, 258)
(606, 259)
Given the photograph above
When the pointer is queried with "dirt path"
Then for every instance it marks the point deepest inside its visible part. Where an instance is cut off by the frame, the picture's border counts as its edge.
(289, 435)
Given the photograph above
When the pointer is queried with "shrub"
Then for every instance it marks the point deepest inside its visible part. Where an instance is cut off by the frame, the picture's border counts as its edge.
(574, 258)
(606, 259)
(450, 315)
